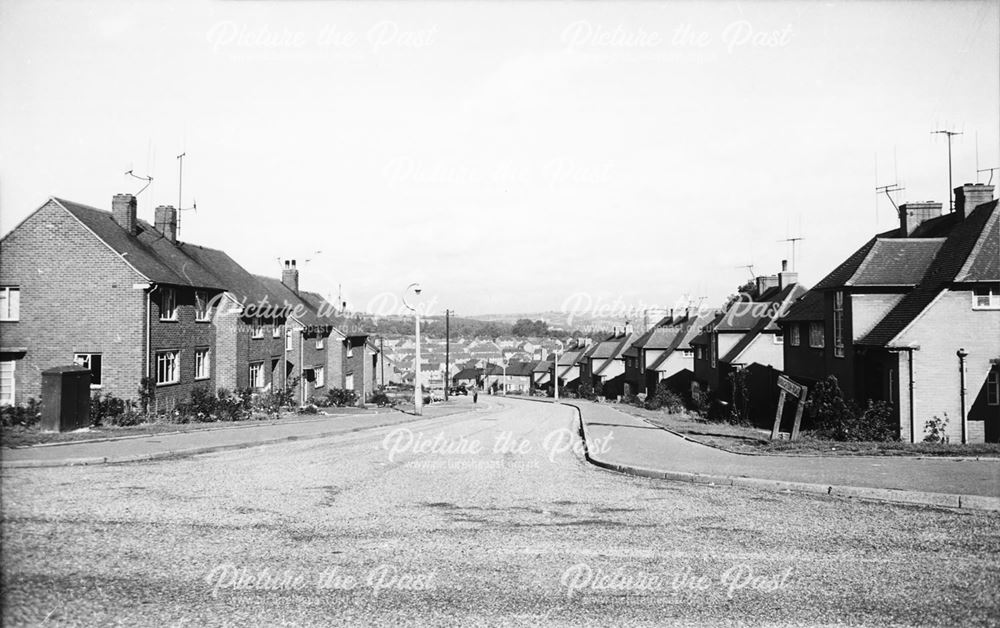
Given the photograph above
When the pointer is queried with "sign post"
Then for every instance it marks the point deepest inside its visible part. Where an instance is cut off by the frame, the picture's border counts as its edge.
(799, 392)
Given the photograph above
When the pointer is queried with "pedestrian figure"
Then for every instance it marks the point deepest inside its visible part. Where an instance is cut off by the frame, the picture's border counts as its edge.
(475, 396)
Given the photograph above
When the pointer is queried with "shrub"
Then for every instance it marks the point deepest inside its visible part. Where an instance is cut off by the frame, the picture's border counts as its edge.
(147, 393)
(26, 416)
(110, 410)
(699, 400)
(427, 400)
(202, 405)
(236, 406)
(936, 429)
(835, 418)
(380, 399)
(309, 409)
(586, 390)
(665, 399)
(739, 410)
(341, 397)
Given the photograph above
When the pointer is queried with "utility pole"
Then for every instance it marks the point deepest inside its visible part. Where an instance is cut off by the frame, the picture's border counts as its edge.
(555, 373)
(447, 353)
(950, 134)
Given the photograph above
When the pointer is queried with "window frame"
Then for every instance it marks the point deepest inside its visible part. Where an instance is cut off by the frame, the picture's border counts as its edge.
(5, 313)
(289, 343)
(87, 360)
(992, 298)
(13, 382)
(713, 349)
(256, 328)
(821, 335)
(838, 324)
(795, 335)
(202, 358)
(275, 330)
(202, 311)
(250, 375)
(175, 366)
(993, 387)
(319, 376)
(320, 344)
(168, 295)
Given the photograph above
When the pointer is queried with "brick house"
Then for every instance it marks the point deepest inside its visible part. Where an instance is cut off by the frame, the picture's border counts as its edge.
(675, 364)
(108, 291)
(890, 321)
(643, 352)
(604, 363)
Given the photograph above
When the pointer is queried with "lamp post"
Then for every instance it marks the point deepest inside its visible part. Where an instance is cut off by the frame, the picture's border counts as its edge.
(555, 373)
(503, 362)
(418, 393)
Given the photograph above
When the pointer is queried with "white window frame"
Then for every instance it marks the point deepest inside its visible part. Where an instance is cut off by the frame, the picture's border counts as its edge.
(289, 344)
(168, 363)
(86, 360)
(778, 338)
(13, 383)
(202, 311)
(256, 328)
(795, 335)
(992, 299)
(821, 344)
(168, 296)
(202, 363)
(319, 376)
(713, 349)
(349, 381)
(319, 342)
(838, 324)
(350, 351)
(11, 303)
(256, 375)
(275, 330)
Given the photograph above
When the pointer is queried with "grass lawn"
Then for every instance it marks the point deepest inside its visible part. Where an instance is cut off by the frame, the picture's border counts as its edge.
(20, 436)
(754, 440)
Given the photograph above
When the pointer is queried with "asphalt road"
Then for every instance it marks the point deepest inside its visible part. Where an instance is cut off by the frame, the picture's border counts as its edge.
(490, 518)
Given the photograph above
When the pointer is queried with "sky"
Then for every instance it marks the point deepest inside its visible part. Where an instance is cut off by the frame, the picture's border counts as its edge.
(510, 157)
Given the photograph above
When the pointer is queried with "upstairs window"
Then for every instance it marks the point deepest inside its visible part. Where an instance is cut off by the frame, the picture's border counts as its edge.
(10, 303)
(90, 361)
(202, 313)
(817, 339)
(319, 342)
(350, 351)
(713, 349)
(795, 335)
(289, 345)
(838, 324)
(256, 327)
(986, 299)
(993, 387)
(168, 304)
(275, 330)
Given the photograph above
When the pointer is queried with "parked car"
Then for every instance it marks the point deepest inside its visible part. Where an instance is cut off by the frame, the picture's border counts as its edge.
(459, 390)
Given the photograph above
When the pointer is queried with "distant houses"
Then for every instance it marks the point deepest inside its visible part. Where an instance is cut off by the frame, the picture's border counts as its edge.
(134, 304)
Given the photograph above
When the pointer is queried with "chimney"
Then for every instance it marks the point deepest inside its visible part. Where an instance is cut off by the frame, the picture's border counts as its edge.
(970, 196)
(123, 208)
(627, 330)
(786, 277)
(290, 276)
(165, 221)
(912, 214)
(765, 282)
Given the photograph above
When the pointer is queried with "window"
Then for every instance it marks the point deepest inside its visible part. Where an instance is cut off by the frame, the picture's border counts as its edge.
(10, 303)
(276, 330)
(713, 349)
(167, 371)
(7, 382)
(319, 375)
(201, 364)
(256, 375)
(202, 313)
(91, 361)
(794, 335)
(986, 299)
(168, 304)
(349, 382)
(817, 339)
(319, 342)
(838, 324)
(350, 351)
(993, 387)
(256, 327)
(288, 341)
(891, 397)
(778, 339)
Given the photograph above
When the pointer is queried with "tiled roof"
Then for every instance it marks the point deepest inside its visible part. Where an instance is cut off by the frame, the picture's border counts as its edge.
(305, 313)
(765, 323)
(808, 308)
(149, 251)
(841, 274)
(949, 262)
(238, 281)
(541, 366)
(983, 263)
(896, 262)
(520, 369)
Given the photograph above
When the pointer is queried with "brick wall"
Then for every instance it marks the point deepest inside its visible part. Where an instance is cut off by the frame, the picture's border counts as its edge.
(185, 335)
(76, 296)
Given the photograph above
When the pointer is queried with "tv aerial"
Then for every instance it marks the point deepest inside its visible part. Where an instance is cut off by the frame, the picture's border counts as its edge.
(148, 179)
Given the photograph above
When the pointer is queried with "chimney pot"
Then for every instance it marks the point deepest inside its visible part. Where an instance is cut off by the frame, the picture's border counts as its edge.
(290, 276)
(165, 221)
(784, 265)
(970, 196)
(123, 210)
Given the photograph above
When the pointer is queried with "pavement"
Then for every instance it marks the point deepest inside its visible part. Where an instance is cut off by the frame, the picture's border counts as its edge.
(238, 436)
(629, 444)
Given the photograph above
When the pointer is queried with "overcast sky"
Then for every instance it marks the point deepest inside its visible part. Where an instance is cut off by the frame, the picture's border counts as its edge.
(506, 155)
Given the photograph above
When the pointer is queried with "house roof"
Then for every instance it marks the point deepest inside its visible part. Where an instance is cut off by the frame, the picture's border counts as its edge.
(148, 251)
(304, 312)
(949, 263)
(809, 307)
(467, 373)
(520, 369)
(245, 287)
(983, 263)
(623, 343)
(542, 366)
(895, 262)
(743, 316)
(764, 323)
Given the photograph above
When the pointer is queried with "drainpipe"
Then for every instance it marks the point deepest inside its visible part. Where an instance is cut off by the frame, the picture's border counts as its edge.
(962, 354)
(302, 372)
(149, 324)
(913, 419)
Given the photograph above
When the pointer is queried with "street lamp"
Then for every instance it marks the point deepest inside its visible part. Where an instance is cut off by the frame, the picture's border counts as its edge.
(418, 393)
(555, 372)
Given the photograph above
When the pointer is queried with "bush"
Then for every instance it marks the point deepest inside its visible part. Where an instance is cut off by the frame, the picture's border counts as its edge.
(341, 397)
(835, 418)
(202, 405)
(739, 410)
(699, 400)
(111, 411)
(665, 399)
(380, 399)
(309, 409)
(236, 406)
(936, 429)
(26, 416)
(586, 390)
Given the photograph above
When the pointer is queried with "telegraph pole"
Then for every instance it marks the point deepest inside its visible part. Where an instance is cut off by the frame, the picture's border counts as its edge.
(447, 353)
(949, 134)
